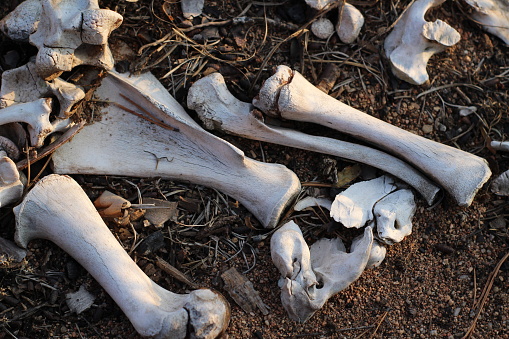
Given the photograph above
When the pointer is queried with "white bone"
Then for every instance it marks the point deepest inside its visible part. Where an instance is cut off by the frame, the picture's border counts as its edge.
(67, 33)
(414, 40)
(289, 95)
(312, 202)
(322, 28)
(115, 145)
(192, 8)
(349, 24)
(290, 254)
(23, 84)
(220, 110)
(500, 186)
(493, 15)
(354, 206)
(376, 255)
(394, 215)
(319, 4)
(57, 209)
(23, 21)
(500, 145)
(11, 186)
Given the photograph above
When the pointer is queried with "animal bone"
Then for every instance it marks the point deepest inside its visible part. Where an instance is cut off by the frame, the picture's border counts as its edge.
(500, 145)
(354, 206)
(67, 33)
(349, 24)
(192, 8)
(322, 28)
(414, 40)
(11, 185)
(394, 215)
(116, 146)
(57, 209)
(500, 186)
(110, 205)
(22, 85)
(220, 110)
(289, 95)
(377, 253)
(493, 15)
(312, 202)
(290, 254)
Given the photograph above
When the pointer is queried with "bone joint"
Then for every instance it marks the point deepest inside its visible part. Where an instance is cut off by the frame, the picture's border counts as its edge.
(414, 40)
(287, 94)
(188, 153)
(57, 209)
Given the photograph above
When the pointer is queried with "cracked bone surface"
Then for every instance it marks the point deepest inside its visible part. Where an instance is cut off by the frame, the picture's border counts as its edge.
(354, 206)
(220, 110)
(414, 40)
(289, 95)
(67, 33)
(57, 209)
(349, 23)
(326, 260)
(117, 146)
(493, 15)
(394, 215)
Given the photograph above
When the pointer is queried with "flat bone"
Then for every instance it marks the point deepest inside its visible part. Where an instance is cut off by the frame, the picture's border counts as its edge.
(220, 110)
(414, 40)
(354, 206)
(289, 95)
(57, 209)
(394, 215)
(124, 144)
(493, 15)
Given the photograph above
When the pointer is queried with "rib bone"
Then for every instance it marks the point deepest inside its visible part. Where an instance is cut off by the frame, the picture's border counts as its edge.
(289, 95)
(123, 144)
(57, 209)
(220, 110)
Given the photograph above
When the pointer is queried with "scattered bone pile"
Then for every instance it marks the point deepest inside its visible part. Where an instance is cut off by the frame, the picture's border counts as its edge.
(36, 102)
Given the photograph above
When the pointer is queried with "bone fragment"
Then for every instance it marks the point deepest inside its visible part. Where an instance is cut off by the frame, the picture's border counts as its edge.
(79, 301)
(58, 210)
(312, 202)
(322, 28)
(289, 95)
(11, 184)
(394, 215)
(220, 110)
(192, 8)
(500, 186)
(349, 24)
(493, 15)
(414, 40)
(124, 144)
(110, 205)
(67, 33)
(377, 254)
(500, 145)
(354, 206)
(10, 253)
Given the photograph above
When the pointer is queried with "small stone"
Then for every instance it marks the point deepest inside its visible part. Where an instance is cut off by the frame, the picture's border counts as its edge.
(457, 311)
(433, 332)
(322, 28)
(427, 129)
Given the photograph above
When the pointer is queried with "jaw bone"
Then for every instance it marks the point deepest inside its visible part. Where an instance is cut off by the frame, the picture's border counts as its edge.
(57, 209)
(289, 95)
(414, 40)
(124, 144)
(220, 110)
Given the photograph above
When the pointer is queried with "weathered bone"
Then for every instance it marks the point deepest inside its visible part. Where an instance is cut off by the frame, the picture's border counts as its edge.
(394, 215)
(289, 95)
(354, 206)
(11, 186)
(220, 110)
(500, 186)
(493, 15)
(116, 146)
(500, 145)
(312, 202)
(57, 209)
(377, 253)
(414, 40)
(192, 8)
(290, 254)
(67, 33)
(349, 24)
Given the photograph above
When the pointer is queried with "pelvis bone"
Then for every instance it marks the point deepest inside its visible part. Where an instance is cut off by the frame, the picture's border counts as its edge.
(287, 94)
(57, 209)
(124, 144)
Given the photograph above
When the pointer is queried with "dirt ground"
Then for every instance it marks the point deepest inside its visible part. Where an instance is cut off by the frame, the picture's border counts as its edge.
(430, 284)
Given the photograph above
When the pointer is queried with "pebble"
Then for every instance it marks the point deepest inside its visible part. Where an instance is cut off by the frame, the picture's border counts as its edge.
(427, 129)
(457, 311)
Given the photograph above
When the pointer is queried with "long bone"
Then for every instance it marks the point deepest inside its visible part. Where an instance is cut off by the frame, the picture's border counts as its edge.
(57, 209)
(124, 144)
(289, 95)
(220, 110)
